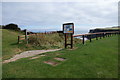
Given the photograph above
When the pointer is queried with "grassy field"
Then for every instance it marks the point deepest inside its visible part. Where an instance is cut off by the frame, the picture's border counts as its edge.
(98, 59)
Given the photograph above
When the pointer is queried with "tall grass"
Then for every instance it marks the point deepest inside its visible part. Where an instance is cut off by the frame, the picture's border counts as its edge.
(47, 41)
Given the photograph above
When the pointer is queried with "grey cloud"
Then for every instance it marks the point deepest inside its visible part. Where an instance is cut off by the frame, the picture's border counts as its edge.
(54, 14)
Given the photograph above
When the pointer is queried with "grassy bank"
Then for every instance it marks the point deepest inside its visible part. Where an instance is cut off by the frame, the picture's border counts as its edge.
(11, 47)
(98, 59)
(9, 43)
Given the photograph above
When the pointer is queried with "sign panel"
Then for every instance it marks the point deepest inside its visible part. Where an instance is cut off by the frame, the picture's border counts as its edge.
(68, 28)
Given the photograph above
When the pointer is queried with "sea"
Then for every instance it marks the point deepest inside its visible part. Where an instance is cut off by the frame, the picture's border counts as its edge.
(76, 32)
(81, 32)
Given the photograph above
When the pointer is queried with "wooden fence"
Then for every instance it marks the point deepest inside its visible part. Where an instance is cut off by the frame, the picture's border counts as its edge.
(26, 37)
(97, 35)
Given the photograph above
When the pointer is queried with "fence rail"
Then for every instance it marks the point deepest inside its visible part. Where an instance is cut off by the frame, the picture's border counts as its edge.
(99, 34)
(96, 35)
(24, 37)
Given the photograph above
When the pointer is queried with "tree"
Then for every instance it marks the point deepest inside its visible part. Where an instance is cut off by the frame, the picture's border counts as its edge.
(12, 27)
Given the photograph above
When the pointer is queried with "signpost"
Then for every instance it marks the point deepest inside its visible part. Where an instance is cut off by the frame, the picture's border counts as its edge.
(68, 29)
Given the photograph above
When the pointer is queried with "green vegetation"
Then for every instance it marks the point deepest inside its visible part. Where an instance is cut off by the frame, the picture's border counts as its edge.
(49, 41)
(10, 26)
(98, 59)
(11, 47)
(9, 43)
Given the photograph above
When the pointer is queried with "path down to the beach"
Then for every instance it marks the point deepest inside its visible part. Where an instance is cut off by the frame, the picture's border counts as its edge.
(28, 54)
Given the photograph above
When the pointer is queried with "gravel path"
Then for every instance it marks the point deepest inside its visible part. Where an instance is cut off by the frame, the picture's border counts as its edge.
(28, 54)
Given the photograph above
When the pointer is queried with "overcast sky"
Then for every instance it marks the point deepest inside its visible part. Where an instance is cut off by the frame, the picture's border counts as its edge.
(51, 15)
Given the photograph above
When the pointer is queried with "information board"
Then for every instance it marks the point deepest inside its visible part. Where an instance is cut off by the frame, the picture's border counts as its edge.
(68, 28)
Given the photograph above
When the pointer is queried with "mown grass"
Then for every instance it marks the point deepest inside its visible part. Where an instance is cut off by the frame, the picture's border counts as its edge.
(98, 59)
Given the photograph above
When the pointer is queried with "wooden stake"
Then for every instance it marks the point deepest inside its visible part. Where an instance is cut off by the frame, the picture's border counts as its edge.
(83, 38)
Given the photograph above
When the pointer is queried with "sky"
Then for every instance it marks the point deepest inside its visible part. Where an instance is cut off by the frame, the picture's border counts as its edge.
(51, 14)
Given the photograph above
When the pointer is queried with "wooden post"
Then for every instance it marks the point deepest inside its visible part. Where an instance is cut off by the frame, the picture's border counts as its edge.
(71, 44)
(18, 39)
(83, 38)
(26, 37)
(65, 41)
(96, 37)
(90, 38)
(71, 41)
(103, 35)
(100, 36)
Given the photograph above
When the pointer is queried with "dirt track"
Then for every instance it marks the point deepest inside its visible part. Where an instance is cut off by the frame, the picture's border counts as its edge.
(28, 54)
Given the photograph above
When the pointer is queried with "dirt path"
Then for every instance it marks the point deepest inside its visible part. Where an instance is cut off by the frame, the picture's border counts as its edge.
(28, 54)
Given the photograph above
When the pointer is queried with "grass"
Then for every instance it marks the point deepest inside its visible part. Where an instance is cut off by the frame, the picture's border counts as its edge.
(49, 41)
(98, 59)
(10, 47)
(9, 43)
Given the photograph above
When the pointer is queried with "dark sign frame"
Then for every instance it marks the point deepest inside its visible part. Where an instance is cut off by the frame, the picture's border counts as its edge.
(68, 24)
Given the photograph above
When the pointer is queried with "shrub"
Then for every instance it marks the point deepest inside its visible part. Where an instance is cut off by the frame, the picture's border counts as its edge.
(12, 27)
(46, 41)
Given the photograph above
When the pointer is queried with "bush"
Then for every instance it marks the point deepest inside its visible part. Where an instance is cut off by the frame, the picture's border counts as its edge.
(12, 27)
(47, 41)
